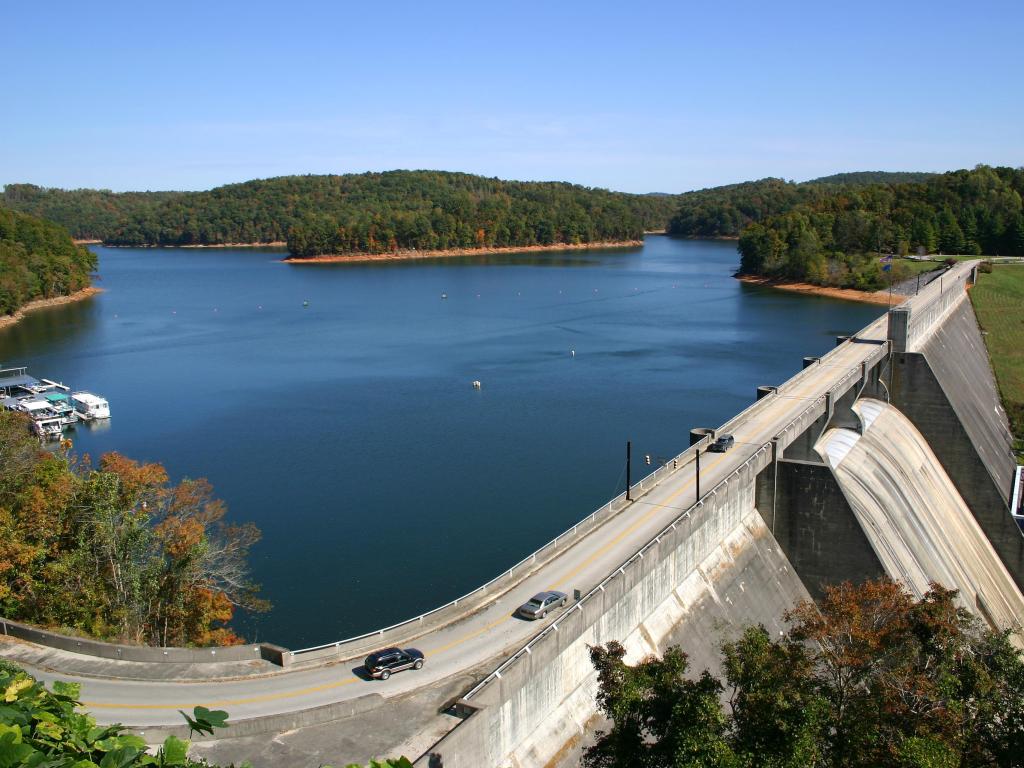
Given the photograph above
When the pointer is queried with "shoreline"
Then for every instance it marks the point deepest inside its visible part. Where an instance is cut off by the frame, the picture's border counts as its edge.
(272, 244)
(8, 320)
(410, 255)
(850, 294)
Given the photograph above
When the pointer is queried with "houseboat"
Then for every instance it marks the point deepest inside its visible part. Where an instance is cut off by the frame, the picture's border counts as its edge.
(89, 406)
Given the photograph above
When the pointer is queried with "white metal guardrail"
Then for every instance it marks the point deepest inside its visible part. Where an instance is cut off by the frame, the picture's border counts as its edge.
(1017, 502)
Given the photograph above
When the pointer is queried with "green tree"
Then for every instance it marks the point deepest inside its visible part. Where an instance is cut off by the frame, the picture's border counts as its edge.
(660, 718)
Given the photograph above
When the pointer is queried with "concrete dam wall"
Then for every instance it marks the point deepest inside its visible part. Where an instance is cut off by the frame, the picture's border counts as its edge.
(715, 570)
(915, 483)
(917, 523)
(947, 390)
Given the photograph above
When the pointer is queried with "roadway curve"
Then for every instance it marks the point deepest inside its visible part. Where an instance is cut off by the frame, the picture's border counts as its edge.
(492, 629)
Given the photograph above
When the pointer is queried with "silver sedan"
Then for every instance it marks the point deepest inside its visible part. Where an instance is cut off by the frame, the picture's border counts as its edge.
(538, 606)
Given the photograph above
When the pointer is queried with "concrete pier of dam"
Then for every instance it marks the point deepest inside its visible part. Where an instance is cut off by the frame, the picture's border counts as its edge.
(887, 456)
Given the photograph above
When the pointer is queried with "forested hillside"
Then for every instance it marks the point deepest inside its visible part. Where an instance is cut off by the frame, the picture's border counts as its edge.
(367, 213)
(873, 177)
(38, 260)
(726, 211)
(834, 237)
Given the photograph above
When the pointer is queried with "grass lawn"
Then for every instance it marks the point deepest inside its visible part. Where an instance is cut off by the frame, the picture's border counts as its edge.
(999, 303)
(914, 266)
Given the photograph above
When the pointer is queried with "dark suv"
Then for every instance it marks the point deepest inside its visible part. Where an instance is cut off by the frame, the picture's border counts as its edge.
(722, 444)
(381, 664)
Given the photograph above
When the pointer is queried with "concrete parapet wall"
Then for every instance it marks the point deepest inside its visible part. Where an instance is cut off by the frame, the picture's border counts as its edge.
(285, 721)
(911, 323)
(266, 651)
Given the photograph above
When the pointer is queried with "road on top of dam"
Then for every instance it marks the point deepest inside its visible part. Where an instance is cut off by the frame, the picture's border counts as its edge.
(492, 629)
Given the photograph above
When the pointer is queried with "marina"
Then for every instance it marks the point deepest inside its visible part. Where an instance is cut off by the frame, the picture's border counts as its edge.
(50, 405)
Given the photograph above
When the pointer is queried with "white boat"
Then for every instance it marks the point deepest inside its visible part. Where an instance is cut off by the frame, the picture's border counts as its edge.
(46, 422)
(48, 428)
(89, 406)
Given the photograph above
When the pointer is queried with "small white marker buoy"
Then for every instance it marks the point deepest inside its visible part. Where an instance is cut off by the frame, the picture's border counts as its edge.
(572, 353)
(444, 295)
(476, 385)
(305, 303)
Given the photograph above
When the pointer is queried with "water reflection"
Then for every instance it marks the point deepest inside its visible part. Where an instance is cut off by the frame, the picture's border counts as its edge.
(52, 327)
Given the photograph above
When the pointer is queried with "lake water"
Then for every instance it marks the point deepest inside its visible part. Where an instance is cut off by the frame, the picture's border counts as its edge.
(333, 404)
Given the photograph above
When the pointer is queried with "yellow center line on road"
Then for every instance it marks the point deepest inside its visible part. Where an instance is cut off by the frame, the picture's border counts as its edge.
(471, 635)
(643, 520)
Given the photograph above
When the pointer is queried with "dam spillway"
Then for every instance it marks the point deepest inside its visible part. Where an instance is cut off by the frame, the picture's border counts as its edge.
(914, 518)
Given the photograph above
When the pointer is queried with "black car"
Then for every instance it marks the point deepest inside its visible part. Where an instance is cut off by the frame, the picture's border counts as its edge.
(381, 664)
(722, 444)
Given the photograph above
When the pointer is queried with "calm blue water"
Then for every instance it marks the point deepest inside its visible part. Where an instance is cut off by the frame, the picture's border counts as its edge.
(349, 431)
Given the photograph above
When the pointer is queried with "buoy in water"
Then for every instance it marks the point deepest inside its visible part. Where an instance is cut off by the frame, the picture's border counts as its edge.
(444, 295)
(572, 353)
(305, 303)
(476, 385)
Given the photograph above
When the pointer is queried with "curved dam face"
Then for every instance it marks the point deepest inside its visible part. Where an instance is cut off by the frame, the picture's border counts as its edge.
(914, 518)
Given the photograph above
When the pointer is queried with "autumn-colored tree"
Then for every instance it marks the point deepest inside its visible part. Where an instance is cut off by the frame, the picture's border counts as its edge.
(116, 551)
(870, 676)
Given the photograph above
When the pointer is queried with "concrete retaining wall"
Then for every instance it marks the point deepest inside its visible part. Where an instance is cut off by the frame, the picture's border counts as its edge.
(266, 651)
(285, 721)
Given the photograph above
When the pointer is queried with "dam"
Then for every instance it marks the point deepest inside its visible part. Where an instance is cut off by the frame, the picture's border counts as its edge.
(888, 455)
(902, 466)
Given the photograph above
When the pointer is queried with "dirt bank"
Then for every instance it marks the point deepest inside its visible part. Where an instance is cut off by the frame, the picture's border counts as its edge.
(850, 294)
(56, 301)
(407, 255)
(272, 244)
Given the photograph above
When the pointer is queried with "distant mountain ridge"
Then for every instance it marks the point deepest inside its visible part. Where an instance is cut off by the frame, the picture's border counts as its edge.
(355, 213)
(874, 177)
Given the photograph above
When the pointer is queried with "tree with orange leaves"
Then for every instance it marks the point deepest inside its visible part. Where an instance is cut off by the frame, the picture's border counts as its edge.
(116, 551)
(869, 677)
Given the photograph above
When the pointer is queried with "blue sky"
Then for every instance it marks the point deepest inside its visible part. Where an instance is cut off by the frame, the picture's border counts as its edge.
(635, 96)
